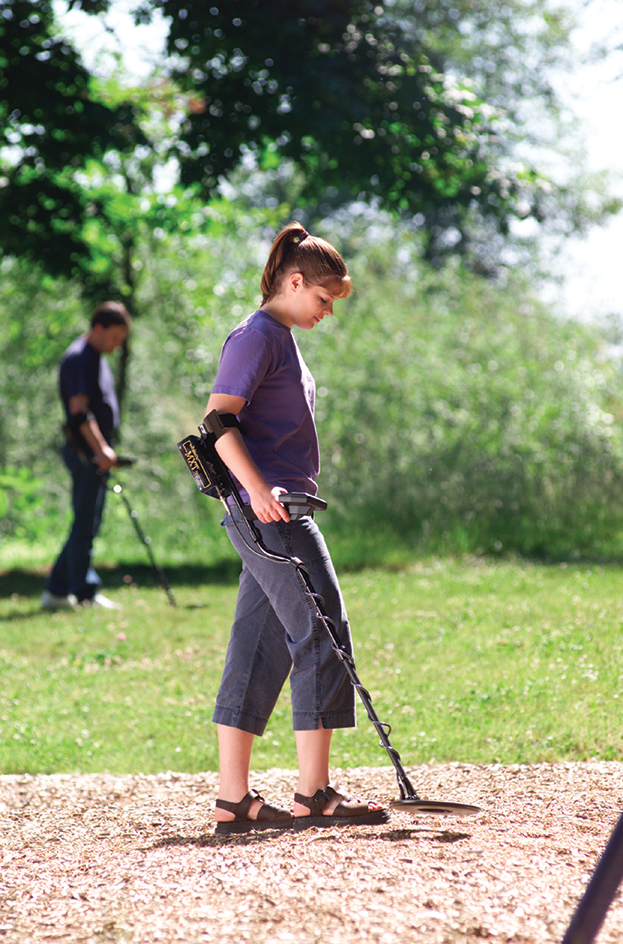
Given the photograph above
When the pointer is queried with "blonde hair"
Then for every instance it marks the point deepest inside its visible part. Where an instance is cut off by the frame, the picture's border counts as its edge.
(294, 250)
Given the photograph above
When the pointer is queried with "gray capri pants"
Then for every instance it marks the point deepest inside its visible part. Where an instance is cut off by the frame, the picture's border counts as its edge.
(276, 632)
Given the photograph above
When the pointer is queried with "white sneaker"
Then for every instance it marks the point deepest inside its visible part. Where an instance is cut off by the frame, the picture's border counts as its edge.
(100, 600)
(49, 601)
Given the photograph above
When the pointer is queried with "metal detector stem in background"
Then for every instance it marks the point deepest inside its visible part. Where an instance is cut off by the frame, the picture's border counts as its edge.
(164, 583)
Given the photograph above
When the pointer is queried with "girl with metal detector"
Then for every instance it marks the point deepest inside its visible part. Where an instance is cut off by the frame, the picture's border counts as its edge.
(290, 617)
(263, 380)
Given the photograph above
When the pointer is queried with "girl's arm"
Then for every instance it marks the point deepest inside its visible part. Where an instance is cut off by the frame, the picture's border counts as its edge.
(234, 453)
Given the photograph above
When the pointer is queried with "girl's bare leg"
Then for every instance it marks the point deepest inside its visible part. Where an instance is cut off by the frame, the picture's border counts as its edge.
(312, 748)
(235, 748)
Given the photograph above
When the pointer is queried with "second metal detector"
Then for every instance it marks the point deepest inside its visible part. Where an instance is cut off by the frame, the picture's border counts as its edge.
(122, 462)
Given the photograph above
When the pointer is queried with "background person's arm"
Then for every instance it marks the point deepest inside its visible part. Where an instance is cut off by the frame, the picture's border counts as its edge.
(104, 455)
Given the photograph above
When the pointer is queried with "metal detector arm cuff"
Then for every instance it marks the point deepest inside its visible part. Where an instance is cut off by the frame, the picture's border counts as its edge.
(75, 420)
(218, 423)
(214, 426)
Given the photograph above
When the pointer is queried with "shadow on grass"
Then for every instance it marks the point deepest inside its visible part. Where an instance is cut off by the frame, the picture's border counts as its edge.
(30, 583)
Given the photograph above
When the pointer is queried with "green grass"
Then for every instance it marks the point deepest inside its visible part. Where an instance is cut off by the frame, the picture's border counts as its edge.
(474, 661)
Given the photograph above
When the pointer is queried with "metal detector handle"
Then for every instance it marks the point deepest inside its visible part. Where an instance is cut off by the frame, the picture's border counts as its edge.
(300, 503)
(123, 462)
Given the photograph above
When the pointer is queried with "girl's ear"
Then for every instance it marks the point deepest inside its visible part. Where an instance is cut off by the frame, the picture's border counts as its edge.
(295, 281)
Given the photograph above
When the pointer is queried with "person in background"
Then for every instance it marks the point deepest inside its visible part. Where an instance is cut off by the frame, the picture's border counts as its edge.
(88, 393)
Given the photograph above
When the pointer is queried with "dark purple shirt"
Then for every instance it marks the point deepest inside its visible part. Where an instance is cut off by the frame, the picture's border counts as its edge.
(85, 370)
(261, 362)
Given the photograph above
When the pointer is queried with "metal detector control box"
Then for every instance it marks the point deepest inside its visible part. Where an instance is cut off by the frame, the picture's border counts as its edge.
(197, 458)
(196, 453)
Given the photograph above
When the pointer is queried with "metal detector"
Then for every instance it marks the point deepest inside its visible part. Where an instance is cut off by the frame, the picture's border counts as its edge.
(214, 479)
(118, 490)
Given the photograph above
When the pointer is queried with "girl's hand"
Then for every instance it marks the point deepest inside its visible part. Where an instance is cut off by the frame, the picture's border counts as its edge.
(266, 505)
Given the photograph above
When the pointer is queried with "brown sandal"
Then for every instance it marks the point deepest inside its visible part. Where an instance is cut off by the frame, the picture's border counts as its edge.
(268, 817)
(347, 812)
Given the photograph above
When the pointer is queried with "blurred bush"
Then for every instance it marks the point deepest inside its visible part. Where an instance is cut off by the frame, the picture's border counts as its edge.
(462, 416)
(455, 415)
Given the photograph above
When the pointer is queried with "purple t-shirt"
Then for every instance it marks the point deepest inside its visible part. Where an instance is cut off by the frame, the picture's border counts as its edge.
(261, 362)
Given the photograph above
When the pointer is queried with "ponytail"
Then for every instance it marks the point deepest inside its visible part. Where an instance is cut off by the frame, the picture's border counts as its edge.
(294, 250)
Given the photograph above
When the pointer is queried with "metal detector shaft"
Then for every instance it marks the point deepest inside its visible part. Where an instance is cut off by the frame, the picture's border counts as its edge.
(382, 728)
(145, 540)
(222, 483)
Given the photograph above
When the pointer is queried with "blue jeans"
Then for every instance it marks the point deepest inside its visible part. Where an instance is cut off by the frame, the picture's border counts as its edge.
(276, 633)
(73, 572)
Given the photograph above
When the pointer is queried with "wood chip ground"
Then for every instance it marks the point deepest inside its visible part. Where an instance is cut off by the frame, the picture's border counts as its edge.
(99, 858)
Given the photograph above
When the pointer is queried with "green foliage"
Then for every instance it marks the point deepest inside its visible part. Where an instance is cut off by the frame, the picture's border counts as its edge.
(454, 414)
(19, 500)
(446, 113)
(508, 47)
(425, 111)
(516, 54)
(351, 94)
(51, 123)
(464, 415)
(473, 661)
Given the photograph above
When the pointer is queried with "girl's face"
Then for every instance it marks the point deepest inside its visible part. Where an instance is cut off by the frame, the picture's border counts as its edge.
(308, 304)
